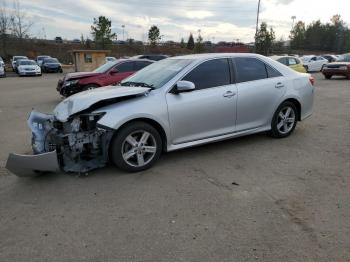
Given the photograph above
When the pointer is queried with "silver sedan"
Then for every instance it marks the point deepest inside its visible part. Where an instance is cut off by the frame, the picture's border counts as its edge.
(175, 103)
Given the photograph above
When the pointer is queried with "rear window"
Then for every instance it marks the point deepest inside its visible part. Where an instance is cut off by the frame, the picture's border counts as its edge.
(251, 69)
(141, 64)
(125, 67)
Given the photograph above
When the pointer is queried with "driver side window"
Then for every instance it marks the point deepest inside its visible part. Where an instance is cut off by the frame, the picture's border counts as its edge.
(209, 74)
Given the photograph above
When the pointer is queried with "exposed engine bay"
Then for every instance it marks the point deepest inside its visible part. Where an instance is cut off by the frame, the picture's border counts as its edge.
(80, 144)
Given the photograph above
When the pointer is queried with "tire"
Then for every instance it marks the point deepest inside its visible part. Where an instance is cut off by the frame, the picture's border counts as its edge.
(89, 87)
(307, 69)
(328, 76)
(281, 128)
(138, 159)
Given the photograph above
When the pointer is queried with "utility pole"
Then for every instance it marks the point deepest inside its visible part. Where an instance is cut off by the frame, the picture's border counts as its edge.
(123, 26)
(293, 19)
(257, 20)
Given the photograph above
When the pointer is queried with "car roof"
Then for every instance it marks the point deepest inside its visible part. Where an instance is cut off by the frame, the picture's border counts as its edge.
(282, 56)
(134, 59)
(215, 55)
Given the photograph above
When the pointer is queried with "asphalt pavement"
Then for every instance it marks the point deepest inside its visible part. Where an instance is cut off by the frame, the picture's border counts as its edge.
(248, 199)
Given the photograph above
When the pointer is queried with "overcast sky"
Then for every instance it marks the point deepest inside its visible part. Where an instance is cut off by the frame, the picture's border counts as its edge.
(218, 19)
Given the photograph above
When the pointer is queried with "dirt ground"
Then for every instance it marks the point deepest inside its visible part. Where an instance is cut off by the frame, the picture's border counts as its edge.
(250, 199)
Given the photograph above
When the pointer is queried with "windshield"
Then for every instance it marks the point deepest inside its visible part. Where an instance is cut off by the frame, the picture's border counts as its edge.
(157, 74)
(42, 57)
(104, 68)
(26, 62)
(51, 60)
(344, 58)
(20, 57)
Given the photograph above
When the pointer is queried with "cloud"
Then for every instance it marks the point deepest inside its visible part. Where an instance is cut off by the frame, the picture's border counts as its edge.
(222, 19)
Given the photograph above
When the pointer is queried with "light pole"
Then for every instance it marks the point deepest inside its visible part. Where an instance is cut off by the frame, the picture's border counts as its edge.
(257, 19)
(123, 26)
(293, 19)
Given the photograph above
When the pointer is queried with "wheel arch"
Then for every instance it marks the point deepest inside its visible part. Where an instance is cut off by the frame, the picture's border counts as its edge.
(151, 122)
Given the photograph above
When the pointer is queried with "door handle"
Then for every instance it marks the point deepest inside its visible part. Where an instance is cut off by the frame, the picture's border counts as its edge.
(279, 85)
(229, 94)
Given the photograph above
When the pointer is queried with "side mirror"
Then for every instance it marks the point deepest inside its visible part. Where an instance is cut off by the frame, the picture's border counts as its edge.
(184, 86)
(114, 71)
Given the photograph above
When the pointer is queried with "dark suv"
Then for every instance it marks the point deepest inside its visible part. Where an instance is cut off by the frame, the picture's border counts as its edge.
(107, 74)
(339, 68)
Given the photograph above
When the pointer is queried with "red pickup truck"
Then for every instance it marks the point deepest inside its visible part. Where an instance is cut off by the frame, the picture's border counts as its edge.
(107, 74)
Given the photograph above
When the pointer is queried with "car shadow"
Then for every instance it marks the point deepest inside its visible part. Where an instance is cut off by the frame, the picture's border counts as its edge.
(166, 159)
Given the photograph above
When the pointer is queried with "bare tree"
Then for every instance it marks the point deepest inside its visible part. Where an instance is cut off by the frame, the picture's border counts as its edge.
(20, 24)
(5, 26)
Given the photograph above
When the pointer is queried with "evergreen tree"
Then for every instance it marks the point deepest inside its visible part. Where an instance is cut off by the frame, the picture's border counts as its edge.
(190, 42)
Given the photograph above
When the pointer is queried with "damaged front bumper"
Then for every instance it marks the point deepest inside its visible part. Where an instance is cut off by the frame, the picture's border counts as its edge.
(31, 165)
(77, 145)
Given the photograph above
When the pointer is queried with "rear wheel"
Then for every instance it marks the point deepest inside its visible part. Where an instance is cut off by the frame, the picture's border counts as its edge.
(136, 147)
(284, 120)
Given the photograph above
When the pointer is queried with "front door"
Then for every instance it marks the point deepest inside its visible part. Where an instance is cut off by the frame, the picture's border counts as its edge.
(209, 110)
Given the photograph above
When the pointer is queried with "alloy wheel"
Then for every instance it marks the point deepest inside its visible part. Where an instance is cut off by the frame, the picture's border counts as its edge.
(139, 148)
(286, 120)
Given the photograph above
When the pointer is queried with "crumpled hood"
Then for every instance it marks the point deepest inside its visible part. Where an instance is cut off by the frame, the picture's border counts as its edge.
(84, 100)
(78, 75)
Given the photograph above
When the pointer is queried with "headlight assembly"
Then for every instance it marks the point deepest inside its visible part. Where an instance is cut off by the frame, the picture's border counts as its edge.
(72, 82)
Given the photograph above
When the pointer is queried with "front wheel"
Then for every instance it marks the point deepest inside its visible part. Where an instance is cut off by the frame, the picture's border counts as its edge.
(284, 120)
(136, 147)
(328, 76)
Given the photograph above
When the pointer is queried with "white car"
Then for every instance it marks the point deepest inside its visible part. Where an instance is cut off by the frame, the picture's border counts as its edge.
(2, 70)
(314, 63)
(2, 63)
(110, 59)
(14, 61)
(28, 67)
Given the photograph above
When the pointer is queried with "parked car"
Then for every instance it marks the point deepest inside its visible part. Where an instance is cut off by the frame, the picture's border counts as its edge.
(172, 104)
(39, 59)
(153, 57)
(330, 58)
(51, 65)
(14, 61)
(314, 63)
(107, 74)
(110, 59)
(28, 67)
(293, 62)
(58, 40)
(339, 68)
(76, 41)
(2, 70)
(2, 63)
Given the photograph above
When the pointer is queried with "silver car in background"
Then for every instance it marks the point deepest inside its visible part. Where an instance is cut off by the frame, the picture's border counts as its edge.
(175, 103)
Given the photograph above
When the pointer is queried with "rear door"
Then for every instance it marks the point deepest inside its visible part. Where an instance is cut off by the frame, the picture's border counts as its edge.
(260, 88)
(209, 110)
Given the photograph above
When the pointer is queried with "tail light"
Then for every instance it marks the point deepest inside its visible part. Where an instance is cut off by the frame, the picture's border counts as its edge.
(312, 80)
